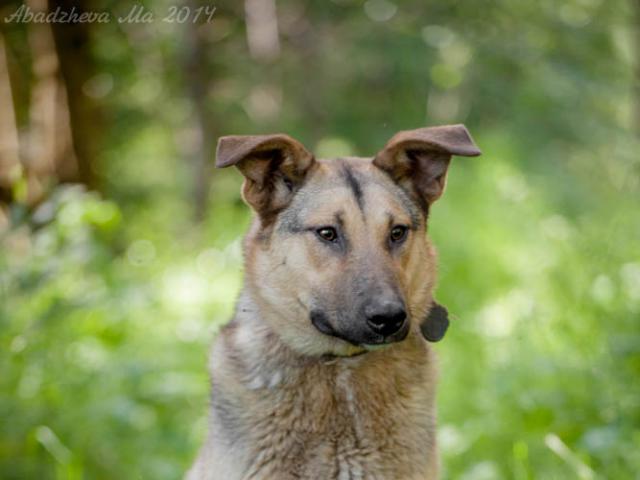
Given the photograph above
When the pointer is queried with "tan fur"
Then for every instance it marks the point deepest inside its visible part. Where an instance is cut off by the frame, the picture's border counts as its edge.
(290, 402)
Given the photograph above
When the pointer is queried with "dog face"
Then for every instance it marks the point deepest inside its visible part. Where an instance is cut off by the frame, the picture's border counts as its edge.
(337, 258)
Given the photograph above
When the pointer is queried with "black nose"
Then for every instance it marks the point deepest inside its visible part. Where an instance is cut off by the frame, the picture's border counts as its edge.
(385, 318)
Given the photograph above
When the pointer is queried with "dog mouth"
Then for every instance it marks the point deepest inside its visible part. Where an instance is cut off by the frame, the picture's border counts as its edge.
(375, 347)
(367, 340)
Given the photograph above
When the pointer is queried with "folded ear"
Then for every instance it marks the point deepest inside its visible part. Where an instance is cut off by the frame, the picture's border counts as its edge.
(274, 166)
(418, 159)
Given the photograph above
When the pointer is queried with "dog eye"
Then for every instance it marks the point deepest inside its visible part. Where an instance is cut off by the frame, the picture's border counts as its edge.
(398, 233)
(328, 234)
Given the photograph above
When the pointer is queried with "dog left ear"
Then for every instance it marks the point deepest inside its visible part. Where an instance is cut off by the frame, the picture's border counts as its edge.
(418, 159)
(274, 166)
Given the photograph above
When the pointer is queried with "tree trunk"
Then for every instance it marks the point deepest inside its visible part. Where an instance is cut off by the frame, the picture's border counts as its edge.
(9, 146)
(39, 141)
(262, 29)
(197, 80)
(73, 43)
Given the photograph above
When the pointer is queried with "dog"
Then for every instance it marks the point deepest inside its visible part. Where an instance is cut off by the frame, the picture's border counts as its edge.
(325, 371)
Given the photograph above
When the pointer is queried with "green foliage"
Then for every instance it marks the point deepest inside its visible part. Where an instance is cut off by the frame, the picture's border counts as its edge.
(108, 303)
(105, 345)
(539, 372)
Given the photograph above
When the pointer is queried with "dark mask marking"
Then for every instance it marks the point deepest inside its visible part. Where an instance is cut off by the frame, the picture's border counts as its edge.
(354, 185)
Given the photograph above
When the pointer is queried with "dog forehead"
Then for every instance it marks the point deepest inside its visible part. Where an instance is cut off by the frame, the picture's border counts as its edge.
(336, 166)
(344, 181)
(373, 189)
(353, 186)
(355, 174)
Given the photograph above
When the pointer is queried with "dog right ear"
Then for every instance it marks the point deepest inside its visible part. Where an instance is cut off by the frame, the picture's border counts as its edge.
(418, 160)
(274, 167)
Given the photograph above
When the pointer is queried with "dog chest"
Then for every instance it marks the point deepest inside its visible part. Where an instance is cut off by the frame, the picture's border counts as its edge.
(334, 421)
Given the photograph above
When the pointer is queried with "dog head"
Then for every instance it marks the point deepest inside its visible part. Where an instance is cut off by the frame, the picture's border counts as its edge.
(337, 258)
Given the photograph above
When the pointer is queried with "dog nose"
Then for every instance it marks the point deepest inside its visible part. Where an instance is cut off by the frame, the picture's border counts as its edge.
(385, 318)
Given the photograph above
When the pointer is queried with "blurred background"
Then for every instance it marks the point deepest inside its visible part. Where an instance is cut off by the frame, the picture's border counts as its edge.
(119, 245)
